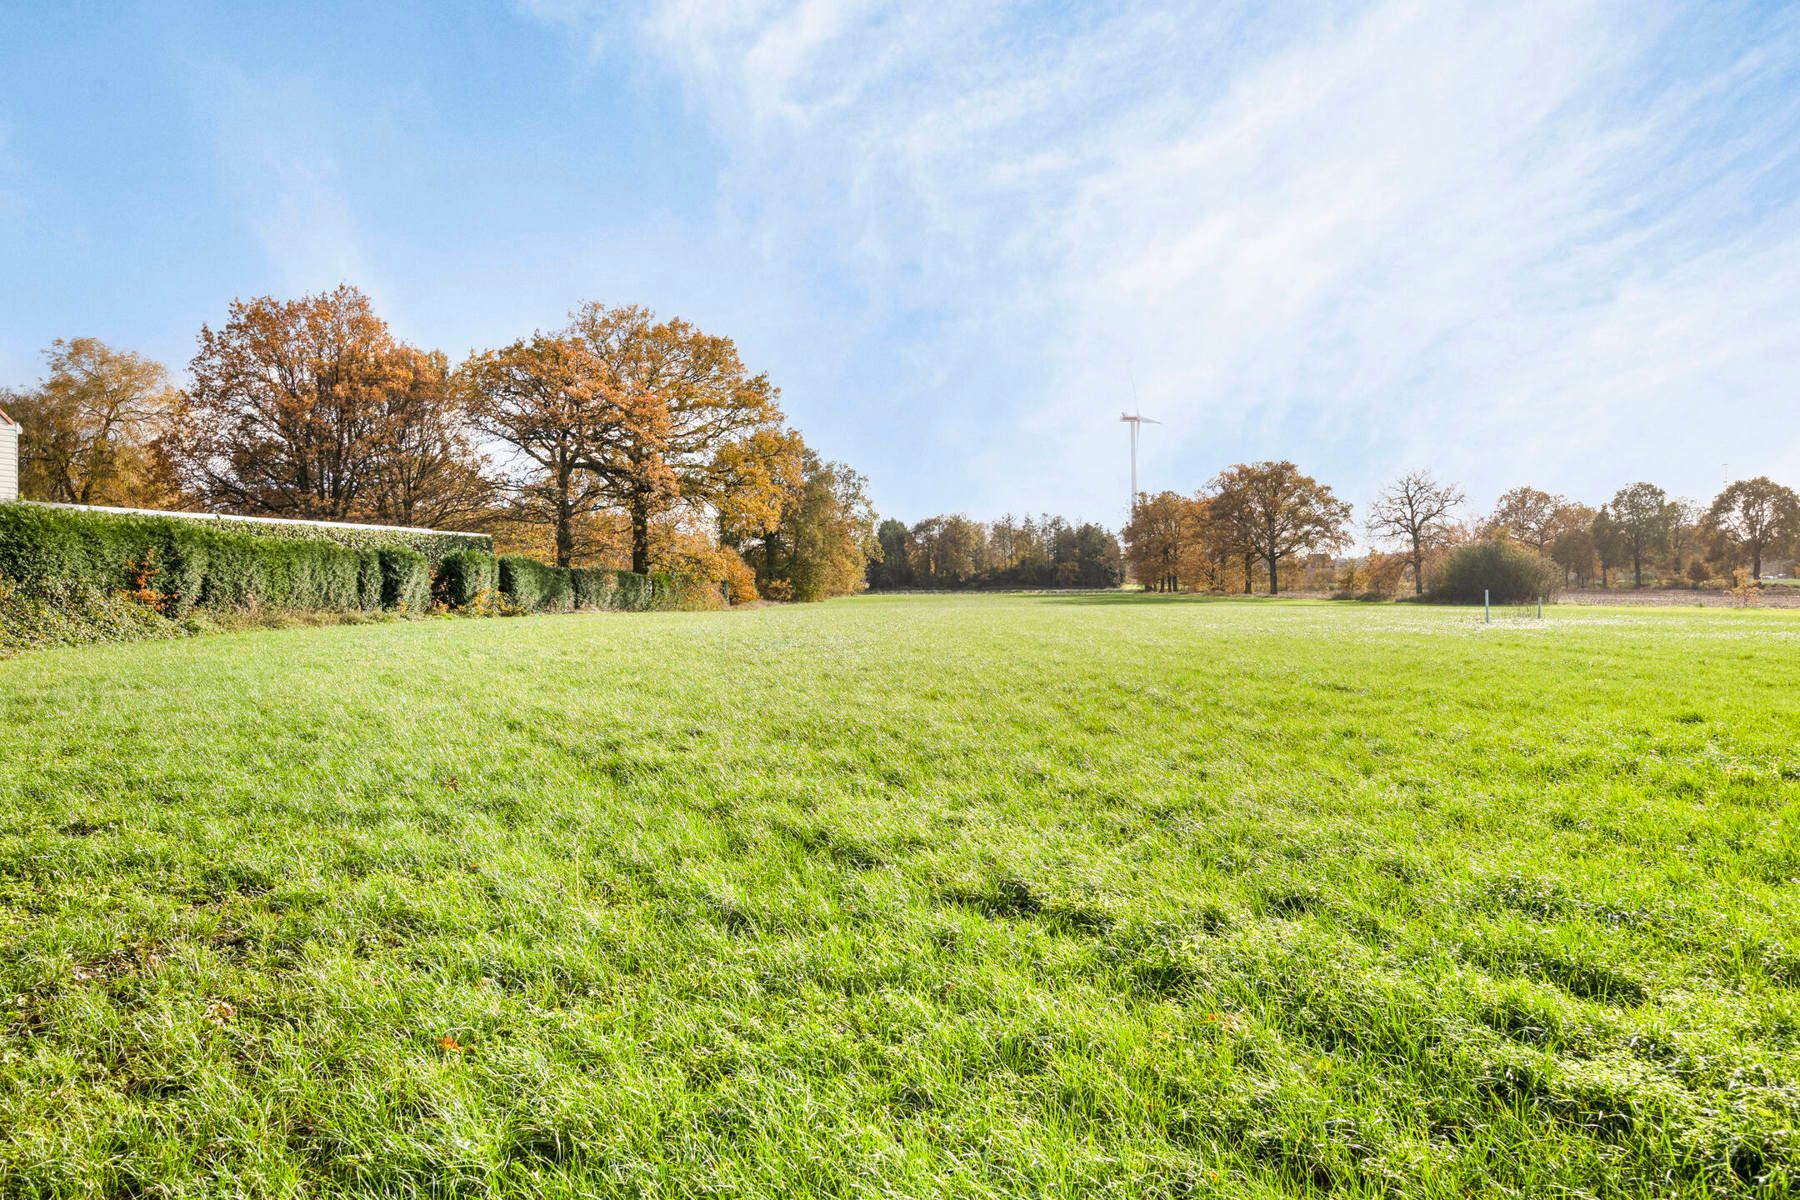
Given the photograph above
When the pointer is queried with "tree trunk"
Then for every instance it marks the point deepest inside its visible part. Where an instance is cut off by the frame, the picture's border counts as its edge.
(1249, 574)
(565, 529)
(1756, 562)
(640, 536)
(1637, 569)
(1274, 581)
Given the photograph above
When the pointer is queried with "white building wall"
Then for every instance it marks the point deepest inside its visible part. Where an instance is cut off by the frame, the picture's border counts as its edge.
(9, 460)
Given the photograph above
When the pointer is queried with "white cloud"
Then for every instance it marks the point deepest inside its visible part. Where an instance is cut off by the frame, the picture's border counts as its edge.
(279, 156)
(1555, 242)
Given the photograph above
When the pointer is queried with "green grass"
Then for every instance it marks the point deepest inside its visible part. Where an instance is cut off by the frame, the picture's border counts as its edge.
(913, 896)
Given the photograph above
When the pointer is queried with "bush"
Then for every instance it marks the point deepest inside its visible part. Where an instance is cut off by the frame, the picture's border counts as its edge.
(1509, 572)
(368, 580)
(465, 577)
(594, 587)
(635, 593)
(531, 586)
(405, 580)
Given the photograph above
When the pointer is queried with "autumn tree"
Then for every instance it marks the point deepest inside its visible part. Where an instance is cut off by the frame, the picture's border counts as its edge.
(1415, 511)
(947, 550)
(1641, 518)
(290, 411)
(700, 400)
(1529, 516)
(428, 471)
(95, 430)
(1756, 517)
(1160, 540)
(1575, 552)
(1283, 512)
(549, 399)
(824, 540)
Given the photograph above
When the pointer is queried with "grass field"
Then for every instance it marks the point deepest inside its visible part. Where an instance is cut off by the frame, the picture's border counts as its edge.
(909, 897)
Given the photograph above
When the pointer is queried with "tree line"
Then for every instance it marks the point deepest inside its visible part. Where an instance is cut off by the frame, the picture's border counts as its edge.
(952, 551)
(617, 439)
(1269, 525)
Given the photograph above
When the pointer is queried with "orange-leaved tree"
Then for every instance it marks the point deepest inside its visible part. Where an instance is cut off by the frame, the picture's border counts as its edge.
(701, 402)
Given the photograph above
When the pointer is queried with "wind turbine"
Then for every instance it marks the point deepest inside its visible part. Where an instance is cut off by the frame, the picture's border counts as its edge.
(1135, 420)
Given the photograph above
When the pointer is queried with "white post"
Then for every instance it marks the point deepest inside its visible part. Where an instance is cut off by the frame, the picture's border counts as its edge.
(1540, 608)
(1487, 617)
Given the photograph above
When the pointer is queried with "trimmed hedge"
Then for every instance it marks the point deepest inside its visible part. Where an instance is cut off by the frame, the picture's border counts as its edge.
(434, 544)
(593, 587)
(69, 556)
(464, 577)
(405, 579)
(184, 565)
(368, 580)
(531, 586)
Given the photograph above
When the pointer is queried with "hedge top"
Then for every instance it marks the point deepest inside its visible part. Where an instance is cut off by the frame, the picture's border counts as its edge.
(433, 543)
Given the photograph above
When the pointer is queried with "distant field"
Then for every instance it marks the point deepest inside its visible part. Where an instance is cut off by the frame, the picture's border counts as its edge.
(909, 896)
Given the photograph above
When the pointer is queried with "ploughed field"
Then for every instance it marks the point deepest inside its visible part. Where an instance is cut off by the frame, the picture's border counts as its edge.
(909, 896)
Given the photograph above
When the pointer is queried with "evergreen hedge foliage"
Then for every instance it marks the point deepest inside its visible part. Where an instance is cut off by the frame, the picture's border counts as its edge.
(405, 579)
(368, 579)
(465, 576)
(434, 544)
(178, 565)
(531, 586)
(86, 561)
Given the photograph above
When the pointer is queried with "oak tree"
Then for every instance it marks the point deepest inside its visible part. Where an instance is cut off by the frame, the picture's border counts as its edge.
(1757, 516)
(554, 403)
(1415, 511)
(1281, 512)
(95, 430)
(704, 401)
(290, 411)
(1641, 520)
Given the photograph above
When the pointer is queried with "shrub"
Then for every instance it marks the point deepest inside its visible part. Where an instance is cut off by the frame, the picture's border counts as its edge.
(368, 579)
(464, 577)
(405, 580)
(593, 587)
(635, 593)
(1509, 572)
(531, 586)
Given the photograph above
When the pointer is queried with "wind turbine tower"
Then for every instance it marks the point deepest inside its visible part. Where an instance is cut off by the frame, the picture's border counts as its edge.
(1134, 420)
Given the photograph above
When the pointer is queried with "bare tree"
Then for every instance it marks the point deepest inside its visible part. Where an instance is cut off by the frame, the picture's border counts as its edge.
(1415, 510)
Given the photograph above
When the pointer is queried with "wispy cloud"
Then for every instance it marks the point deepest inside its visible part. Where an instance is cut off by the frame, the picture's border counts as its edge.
(277, 150)
(1556, 242)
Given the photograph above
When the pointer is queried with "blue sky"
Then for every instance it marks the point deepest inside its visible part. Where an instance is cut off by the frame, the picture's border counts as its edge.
(1549, 243)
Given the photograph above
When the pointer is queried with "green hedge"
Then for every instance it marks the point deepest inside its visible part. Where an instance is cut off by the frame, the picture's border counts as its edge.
(405, 579)
(464, 577)
(62, 554)
(64, 551)
(368, 579)
(434, 544)
(531, 586)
